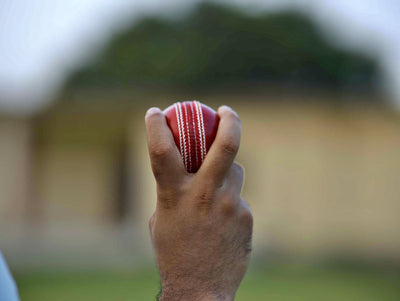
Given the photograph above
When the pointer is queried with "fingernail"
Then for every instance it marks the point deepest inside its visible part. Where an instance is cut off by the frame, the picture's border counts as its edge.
(226, 108)
(152, 110)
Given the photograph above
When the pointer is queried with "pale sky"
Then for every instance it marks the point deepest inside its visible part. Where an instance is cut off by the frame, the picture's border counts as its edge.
(41, 41)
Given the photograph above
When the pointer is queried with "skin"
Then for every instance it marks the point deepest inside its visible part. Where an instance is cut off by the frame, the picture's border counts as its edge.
(201, 229)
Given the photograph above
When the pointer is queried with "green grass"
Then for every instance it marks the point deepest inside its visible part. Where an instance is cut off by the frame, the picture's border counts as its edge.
(273, 283)
(320, 284)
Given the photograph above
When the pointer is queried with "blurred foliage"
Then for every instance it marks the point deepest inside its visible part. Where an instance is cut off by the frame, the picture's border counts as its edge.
(218, 45)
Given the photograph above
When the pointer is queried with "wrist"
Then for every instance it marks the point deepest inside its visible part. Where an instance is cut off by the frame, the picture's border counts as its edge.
(175, 293)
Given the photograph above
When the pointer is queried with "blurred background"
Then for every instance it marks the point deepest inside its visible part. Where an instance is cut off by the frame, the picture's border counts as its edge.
(316, 83)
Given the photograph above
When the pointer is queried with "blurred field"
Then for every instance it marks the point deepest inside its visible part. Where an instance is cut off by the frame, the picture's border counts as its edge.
(273, 283)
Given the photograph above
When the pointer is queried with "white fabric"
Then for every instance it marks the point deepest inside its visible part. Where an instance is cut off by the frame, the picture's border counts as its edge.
(8, 288)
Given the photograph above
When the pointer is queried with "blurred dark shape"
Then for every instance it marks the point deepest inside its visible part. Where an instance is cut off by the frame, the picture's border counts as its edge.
(220, 46)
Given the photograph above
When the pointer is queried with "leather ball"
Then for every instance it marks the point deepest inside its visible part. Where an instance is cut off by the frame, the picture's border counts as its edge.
(194, 127)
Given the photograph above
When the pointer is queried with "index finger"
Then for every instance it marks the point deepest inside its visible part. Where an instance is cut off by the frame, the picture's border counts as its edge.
(165, 158)
(223, 151)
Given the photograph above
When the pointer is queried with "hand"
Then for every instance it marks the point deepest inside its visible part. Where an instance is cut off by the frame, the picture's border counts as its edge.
(201, 229)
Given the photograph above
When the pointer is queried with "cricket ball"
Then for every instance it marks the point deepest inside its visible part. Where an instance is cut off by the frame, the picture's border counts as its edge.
(194, 127)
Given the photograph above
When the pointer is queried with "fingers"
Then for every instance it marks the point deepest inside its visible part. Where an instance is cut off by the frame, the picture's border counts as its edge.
(165, 158)
(231, 189)
(234, 179)
(223, 150)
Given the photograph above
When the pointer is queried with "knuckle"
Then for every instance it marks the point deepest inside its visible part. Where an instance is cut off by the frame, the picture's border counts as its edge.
(204, 200)
(160, 150)
(228, 206)
(246, 218)
(157, 171)
(205, 196)
(230, 145)
(203, 207)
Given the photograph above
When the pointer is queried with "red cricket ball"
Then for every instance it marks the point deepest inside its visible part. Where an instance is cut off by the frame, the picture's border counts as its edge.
(194, 127)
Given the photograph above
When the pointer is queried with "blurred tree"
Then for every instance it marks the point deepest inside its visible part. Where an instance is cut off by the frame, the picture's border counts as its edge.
(218, 45)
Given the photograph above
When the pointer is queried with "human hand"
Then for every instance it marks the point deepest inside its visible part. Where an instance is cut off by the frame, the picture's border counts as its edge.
(201, 229)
